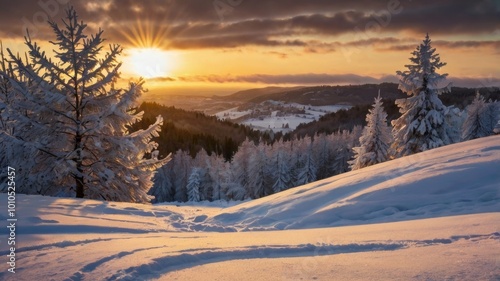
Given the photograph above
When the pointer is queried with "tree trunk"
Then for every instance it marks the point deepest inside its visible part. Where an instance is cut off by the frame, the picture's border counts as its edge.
(79, 186)
(79, 178)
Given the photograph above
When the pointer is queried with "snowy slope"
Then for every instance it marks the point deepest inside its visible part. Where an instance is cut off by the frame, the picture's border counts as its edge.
(431, 216)
(457, 179)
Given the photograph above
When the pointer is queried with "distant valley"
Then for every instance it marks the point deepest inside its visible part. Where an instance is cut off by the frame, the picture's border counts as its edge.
(283, 109)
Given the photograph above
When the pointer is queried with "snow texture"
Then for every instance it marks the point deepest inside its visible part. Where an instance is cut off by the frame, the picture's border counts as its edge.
(430, 216)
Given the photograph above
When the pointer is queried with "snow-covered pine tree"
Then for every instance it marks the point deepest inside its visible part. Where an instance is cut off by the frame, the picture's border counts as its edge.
(182, 169)
(344, 142)
(455, 119)
(280, 168)
(258, 177)
(163, 189)
(194, 184)
(231, 185)
(375, 140)
(323, 150)
(15, 128)
(308, 171)
(6, 94)
(493, 113)
(202, 161)
(298, 147)
(216, 171)
(479, 122)
(79, 122)
(422, 124)
(241, 166)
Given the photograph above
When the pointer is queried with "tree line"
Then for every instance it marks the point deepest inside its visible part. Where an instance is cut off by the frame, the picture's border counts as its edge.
(258, 170)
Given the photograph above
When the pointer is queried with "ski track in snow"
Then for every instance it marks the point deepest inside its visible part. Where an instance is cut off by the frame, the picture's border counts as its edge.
(196, 257)
(188, 258)
(93, 265)
(67, 243)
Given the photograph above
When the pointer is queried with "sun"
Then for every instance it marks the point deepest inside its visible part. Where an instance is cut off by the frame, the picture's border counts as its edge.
(151, 62)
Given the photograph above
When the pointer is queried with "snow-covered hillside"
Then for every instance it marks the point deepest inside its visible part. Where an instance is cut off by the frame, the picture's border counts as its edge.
(430, 216)
(278, 116)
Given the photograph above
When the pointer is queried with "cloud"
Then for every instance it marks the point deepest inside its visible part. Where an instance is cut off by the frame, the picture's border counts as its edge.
(197, 24)
(279, 54)
(162, 79)
(469, 44)
(231, 41)
(297, 79)
(327, 79)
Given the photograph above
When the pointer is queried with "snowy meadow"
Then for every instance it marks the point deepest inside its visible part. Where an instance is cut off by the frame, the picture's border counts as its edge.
(430, 216)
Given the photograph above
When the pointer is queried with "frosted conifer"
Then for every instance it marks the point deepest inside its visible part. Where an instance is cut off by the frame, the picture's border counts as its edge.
(77, 122)
(307, 173)
(481, 119)
(282, 169)
(194, 184)
(375, 139)
(422, 125)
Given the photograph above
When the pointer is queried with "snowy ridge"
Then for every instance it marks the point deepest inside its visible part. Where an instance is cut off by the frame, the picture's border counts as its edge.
(456, 179)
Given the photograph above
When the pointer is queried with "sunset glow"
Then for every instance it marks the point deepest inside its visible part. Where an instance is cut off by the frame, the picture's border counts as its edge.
(185, 46)
(151, 62)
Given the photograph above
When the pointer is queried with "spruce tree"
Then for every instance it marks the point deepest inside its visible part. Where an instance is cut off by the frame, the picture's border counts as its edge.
(216, 171)
(193, 185)
(182, 168)
(280, 162)
(422, 124)
(308, 171)
(375, 139)
(241, 165)
(481, 119)
(76, 122)
(258, 172)
(163, 189)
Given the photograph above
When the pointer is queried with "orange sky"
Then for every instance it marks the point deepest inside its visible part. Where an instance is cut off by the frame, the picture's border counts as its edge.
(221, 46)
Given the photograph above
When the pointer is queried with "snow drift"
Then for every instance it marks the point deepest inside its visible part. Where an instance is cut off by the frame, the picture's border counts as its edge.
(458, 179)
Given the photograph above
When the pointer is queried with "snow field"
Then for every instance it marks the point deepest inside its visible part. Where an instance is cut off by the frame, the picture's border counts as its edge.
(430, 216)
(276, 123)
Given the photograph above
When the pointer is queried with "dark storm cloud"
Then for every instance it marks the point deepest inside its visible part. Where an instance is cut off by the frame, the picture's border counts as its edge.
(201, 24)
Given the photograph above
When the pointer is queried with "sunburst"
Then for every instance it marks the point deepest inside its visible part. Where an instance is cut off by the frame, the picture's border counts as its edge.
(151, 62)
(146, 34)
(149, 57)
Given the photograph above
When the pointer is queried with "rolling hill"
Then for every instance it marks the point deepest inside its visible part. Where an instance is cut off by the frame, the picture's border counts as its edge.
(430, 216)
(250, 94)
(334, 95)
(192, 131)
